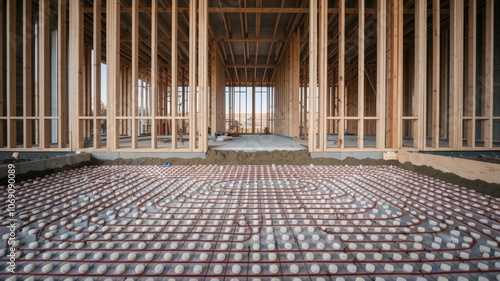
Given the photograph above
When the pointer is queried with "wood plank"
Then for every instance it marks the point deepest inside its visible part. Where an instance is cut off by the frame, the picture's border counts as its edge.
(214, 89)
(97, 71)
(192, 74)
(323, 69)
(135, 71)
(444, 79)
(420, 95)
(154, 72)
(44, 72)
(11, 86)
(456, 73)
(436, 51)
(203, 74)
(62, 94)
(113, 70)
(2, 67)
(470, 110)
(295, 86)
(381, 70)
(341, 74)
(488, 72)
(361, 72)
(75, 71)
(27, 73)
(174, 73)
(395, 85)
(313, 74)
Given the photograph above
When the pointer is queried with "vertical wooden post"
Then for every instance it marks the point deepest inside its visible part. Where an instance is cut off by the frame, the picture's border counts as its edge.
(97, 72)
(313, 73)
(87, 88)
(62, 94)
(192, 74)
(135, 70)
(419, 136)
(11, 86)
(203, 74)
(253, 107)
(323, 70)
(456, 72)
(154, 70)
(488, 71)
(381, 70)
(361, 71)
(44, 72)
(395, 85)
(113, 70)
(2, 46)
(470, 111)
(27, 73)
(436, 49)
(130, 120)
(444, 79)
(213, 89)
(75, 71)
(294, 84)
(175, 78)
(341, 73)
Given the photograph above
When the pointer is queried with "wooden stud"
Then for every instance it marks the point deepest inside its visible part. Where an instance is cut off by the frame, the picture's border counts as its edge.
(27, 73)
(11, 86)
(174, 79)
(456, 73)
(395, 85)
(75, 71)
(135, 70)
(341, 74)
(97, 72)
(154, 72)
(381, 70)
(361, 72)
(253, 108)
(192, 74)
(313, 73)
(470, 111)
(87, 88)
(436, 50)
(294, 85)
(44, 72)
(420, 76)
(2, 66)
(62, 94)
(113, 70)
(203, 75)
(488, 72)
(445, 85)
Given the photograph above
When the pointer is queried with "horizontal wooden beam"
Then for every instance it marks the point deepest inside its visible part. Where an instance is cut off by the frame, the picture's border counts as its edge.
(263, 10)
(250, 65)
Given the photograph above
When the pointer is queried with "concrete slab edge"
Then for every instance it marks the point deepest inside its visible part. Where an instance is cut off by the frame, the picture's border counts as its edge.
(465, 168)
(354, 154)
(44, 164)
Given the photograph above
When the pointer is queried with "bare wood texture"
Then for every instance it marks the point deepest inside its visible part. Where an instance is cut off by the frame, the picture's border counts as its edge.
(27, 73)
(62, 73)
(113, 70)
(75, 71)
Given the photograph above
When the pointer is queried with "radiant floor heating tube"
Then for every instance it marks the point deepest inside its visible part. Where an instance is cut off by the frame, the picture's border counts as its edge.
(235, 222)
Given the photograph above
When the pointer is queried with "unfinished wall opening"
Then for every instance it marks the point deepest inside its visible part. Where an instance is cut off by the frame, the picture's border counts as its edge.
(342, 75)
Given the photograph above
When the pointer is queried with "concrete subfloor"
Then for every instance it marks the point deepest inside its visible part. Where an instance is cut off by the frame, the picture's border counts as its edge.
(257, 143)
(251, 223)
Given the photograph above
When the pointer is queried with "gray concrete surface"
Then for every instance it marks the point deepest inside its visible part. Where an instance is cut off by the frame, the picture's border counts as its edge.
(257, 143)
